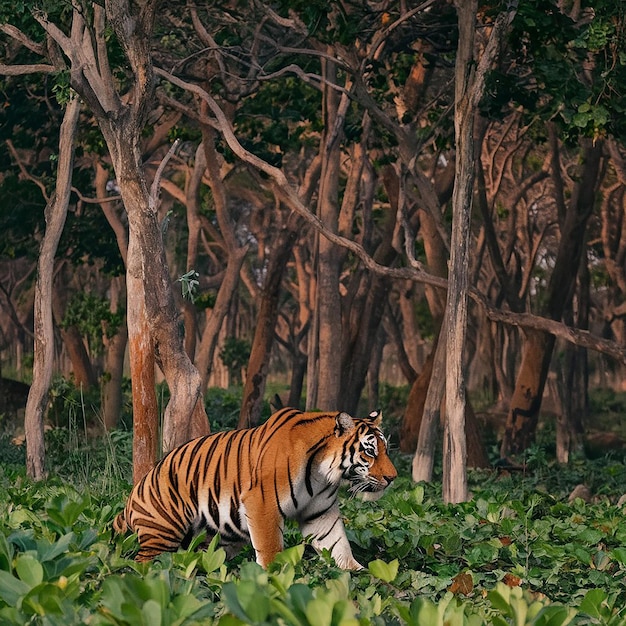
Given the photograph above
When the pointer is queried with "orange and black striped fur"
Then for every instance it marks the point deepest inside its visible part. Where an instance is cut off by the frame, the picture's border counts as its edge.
(243, 484)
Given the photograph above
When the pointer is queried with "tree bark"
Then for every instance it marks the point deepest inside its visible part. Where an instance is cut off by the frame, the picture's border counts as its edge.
(56, 212)
(112, 396)
(263, 340)
(150, 296)
(469, 87)
(523, 412)
(454, 442)
(424, 459)
(328, 299)
(410, 430)
(236, 255)
(364, 318)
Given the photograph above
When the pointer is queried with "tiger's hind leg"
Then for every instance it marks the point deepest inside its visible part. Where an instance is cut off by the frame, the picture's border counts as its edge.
(156, 539)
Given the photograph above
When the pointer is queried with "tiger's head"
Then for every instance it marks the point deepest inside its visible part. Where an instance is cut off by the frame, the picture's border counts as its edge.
(365, 462)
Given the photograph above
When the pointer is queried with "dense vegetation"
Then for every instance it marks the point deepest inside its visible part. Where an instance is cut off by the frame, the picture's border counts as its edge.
(520, 552)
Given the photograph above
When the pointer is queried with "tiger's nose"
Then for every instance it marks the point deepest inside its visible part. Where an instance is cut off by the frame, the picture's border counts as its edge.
(389, 479)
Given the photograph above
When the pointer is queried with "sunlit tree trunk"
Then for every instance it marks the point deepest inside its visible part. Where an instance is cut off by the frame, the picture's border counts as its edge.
(469, 86)
(55, 214)
(454, 442)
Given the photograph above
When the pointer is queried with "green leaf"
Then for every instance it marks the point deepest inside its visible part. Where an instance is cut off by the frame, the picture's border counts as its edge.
(386, 572)
(152, 612)
(6, 553)
(238, 597)
(319, 611)
(187, 605)
(292, 555)
(29, 570)
(12, 589)
(49, 552)
(423, 613)
(593, 603)
(619, 554)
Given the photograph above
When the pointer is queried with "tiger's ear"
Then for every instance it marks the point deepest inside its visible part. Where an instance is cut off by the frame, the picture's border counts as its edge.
(376, 417)
(343, 424)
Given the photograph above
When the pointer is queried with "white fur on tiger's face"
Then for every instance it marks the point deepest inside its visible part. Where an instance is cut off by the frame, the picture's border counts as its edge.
(244, 484)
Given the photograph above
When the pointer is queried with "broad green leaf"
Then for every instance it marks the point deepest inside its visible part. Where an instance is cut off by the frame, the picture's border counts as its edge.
(213, 558)
(619, 554)
(423, 613)
(186, 605)
(11, 588)
(554, 616)
(230, 596)
(319, 611)
(152, 613)
(29, 570)
(292, 555)
(50, 551)
(593, 603)
(258, 607)
(387, 572)
(6, 553)
(300, 595)
(418, 494)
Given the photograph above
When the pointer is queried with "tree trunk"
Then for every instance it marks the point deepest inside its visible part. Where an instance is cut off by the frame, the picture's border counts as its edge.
(410, 429)
(84, 375)
(424, 459)
(419, 434)
(263, 340)
(523, 412)
(298, 371)
(56, 212)
(436, 257)
(142, 373)
(236, 255)
(364, 318)
(373, 373)
(573, 378)
(112, 396)
(454, 442)
(328, 300)
(192, 203)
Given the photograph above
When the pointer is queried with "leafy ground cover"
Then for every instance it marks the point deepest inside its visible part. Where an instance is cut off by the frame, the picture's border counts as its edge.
(518, 553)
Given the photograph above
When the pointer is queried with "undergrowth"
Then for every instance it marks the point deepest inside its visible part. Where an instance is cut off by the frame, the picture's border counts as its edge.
(520, 552)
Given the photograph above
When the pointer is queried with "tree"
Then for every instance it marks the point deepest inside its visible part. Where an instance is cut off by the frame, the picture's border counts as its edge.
(154, 331)
(56, 210)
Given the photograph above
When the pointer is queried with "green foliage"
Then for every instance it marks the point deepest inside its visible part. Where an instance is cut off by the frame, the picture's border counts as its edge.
(189, 284)
(235, 354)
(93, 318)
(222, 407)
(283, 116)
(570, 71)
(517, 554)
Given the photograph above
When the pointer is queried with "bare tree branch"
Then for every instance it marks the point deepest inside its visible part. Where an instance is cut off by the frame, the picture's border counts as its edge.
(25, 172)
(20, 70)
(288, 195)
(16, 34)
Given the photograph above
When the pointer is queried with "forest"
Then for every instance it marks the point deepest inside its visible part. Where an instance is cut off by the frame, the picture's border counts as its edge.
(214, 209)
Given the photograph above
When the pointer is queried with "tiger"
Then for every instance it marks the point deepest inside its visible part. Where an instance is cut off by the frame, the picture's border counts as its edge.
(244, 484)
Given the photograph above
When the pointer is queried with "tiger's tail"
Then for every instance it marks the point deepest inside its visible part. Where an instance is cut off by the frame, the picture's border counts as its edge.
(119, 523)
